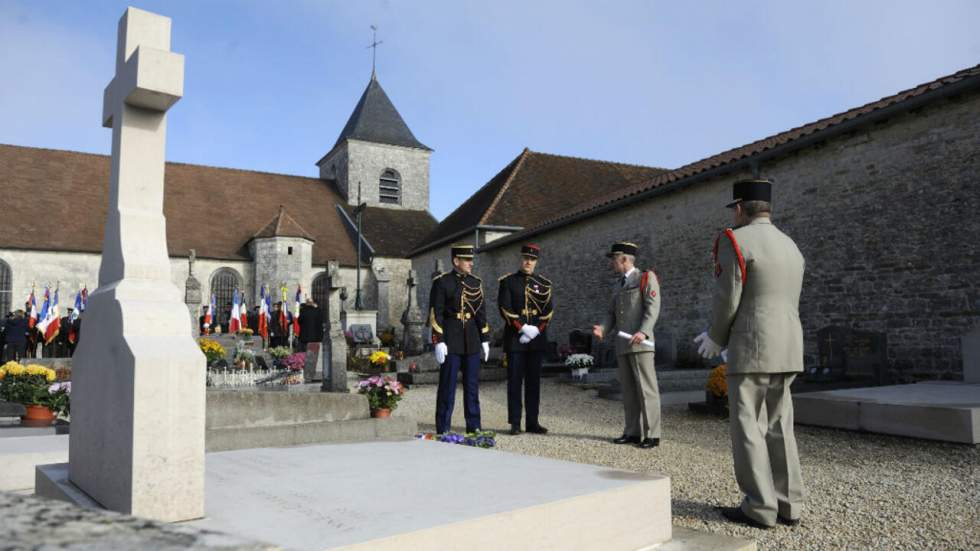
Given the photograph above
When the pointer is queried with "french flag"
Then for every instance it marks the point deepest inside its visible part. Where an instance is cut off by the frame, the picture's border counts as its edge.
(214, 310)
(32, 317)
(284, 312)
(53, 327)
(234, 323)
(296, 306)
(84, 299)
(243, 314)
(72, 334)
(42, 316)
(208, 319)
(263, 314)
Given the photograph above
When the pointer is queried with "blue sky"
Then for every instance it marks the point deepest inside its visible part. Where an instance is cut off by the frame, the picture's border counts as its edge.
(269, 85)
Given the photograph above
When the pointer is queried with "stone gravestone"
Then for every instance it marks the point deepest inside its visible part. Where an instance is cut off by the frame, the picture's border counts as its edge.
(333, 349)
(970, 346)
(138, 385)
(850, 354)
(192, 294)
(412, 320)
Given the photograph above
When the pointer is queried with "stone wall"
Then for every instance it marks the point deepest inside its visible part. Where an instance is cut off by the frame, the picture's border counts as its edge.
(886, 218)
(357, 161)
(280, 260)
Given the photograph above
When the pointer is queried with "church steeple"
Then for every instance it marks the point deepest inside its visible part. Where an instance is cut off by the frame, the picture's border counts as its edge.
(375, 119)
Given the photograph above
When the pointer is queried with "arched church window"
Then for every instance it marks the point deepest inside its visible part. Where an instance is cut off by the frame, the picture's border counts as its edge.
(321, 290)
(224, 281)
(390, 190)
(6, 298)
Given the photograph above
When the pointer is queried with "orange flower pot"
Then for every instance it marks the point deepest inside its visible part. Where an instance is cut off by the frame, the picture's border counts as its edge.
(37, 416)
(381, 413)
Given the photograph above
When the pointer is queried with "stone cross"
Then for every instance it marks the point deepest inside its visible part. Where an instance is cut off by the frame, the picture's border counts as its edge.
(412, 320)
(190, 262)
(333, 355)
(138, 388)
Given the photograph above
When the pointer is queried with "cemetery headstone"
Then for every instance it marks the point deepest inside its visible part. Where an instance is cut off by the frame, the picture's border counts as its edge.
(138, 388)
(850, 354)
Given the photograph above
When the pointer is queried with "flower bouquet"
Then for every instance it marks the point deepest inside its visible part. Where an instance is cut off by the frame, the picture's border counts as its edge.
(579, 364)
(379, 359)
(295, 363)
(213, 350)
(244, 358)
(479, 439)
(383, 394)
(716, 390)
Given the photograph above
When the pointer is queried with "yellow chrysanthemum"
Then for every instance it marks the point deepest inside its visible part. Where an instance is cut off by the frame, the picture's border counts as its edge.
(717, 382)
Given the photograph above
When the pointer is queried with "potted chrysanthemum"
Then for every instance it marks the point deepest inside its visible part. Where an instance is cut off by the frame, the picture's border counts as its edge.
(579, 364)
(383, 394)
(34, 386)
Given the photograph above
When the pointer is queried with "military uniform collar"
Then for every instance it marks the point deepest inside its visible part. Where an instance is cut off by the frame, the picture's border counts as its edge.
(760, 220)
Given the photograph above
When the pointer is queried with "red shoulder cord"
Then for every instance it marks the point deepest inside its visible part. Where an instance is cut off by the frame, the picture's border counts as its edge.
(738, 254)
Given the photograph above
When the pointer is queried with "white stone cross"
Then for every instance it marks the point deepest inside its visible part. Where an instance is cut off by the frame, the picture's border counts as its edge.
(138, 377)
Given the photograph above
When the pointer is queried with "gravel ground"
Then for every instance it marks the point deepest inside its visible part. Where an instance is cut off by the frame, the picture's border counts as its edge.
(864, 491)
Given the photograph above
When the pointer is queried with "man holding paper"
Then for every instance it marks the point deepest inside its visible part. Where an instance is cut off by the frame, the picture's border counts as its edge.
(633, 312)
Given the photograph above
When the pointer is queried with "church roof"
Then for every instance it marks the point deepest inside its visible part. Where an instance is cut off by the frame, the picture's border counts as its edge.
(533, 187)
(56, 201)
(784, 143)
(375, 119)
(390, 232)
(282, 225)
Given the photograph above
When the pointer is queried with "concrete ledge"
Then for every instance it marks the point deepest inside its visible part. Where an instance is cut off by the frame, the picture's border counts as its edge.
(947, 411)
(255, 408)
(324, 432)
(20, 455)
(686, 539)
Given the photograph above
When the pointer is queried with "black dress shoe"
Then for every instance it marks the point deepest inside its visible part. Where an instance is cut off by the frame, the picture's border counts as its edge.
(624, 439)
(735, 514)
(515, 429)
(787, 521)
(537, 429)
(648, 443)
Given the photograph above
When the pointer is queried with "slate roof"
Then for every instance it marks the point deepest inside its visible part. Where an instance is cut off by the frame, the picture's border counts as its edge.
(56, 201)
(962, 81)
(375, 119)
(533, 187)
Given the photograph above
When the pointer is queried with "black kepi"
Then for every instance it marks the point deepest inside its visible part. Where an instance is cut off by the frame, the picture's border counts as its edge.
(751, 190)
(462, 251)
(623, 247)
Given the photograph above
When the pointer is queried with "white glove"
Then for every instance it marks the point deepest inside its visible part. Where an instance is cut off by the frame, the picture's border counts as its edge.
(707, 347)
(486, 351)
(530, 331)
(524, 339)
(724, 355)
(441, 351)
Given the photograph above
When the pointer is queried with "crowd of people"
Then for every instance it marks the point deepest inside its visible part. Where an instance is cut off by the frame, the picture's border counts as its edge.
(281, 331)
(19, 339)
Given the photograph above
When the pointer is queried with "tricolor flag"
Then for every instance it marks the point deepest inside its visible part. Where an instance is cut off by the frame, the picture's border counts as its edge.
(207, 320)
(75, 313)
(54, 325)
(42, 316)
(296, 306)
(234, 323)
(243, 314)
(32, 315)
(84, 298)
(214, 311)
(263, 314)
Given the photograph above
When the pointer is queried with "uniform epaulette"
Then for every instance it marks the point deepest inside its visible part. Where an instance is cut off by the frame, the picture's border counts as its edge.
(437, 276)
(503, 277)
(476, 277)
(542, 278)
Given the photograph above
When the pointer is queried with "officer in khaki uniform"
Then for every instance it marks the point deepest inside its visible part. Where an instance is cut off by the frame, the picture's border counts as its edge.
(634, 309)
(759, 276)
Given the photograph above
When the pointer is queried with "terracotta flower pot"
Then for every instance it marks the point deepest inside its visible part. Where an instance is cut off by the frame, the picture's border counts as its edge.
(381, 413)
(37, 416)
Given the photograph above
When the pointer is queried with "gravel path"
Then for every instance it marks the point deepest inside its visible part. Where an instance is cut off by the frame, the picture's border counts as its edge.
(863, 491)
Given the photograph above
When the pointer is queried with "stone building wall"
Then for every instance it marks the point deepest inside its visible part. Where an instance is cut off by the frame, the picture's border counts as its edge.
(886, 218)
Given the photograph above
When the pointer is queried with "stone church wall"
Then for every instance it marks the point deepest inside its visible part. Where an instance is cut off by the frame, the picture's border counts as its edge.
(886, 218)
(366, 162)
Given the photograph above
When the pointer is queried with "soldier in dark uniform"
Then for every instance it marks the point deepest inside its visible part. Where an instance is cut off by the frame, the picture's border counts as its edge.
(525, 303)
(458, 317)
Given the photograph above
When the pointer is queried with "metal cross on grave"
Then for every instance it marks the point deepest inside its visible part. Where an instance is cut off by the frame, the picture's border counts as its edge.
(149, 80)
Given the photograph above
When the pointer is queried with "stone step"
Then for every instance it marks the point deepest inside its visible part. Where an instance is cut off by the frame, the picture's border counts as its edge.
(20, 454)
(298, 434)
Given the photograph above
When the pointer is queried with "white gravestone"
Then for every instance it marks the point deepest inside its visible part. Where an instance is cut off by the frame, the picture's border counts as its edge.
(138, 396)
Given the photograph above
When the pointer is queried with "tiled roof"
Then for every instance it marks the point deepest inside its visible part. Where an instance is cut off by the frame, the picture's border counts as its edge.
(57, 200)
(393, 233)
(800, 136)
(375, 119)
(533, 187)
(282, 225)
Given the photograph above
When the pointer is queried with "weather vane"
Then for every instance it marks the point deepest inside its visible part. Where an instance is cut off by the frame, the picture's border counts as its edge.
(374, 47)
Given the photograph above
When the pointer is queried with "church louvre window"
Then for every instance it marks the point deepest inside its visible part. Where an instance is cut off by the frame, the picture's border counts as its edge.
(390, 187)
(6, 299)
(223, 285)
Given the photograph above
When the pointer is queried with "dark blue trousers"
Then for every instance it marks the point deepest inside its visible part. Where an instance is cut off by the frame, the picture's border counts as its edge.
(446, 397)
(523, 369)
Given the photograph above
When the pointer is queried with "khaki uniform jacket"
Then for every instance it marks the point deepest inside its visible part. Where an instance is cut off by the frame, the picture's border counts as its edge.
(758, 317)
(632, 310)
